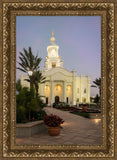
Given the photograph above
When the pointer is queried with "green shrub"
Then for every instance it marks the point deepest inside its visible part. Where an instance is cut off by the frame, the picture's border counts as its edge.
(20, 114)
(28, 106)
(41, 114)
(60, 104)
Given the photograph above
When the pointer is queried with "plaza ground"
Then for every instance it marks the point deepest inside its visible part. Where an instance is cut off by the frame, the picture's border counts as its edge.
(75, 130)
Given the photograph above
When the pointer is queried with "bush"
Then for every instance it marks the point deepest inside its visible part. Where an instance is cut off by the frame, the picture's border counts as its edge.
(20, 114)
(41, 115)
(66, 108)
(52, 120)
(41, 104)
(60, 104)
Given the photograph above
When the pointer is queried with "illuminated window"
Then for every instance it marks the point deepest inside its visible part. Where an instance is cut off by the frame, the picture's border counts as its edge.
(46, 87)
(53, 64)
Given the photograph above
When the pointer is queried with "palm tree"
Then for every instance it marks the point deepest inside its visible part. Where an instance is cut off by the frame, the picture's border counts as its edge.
(28, 62)
(97, 83)
(36, 79)
(97, 99)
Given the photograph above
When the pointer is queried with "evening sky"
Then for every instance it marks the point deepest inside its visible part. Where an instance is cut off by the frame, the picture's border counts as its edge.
(78, 38)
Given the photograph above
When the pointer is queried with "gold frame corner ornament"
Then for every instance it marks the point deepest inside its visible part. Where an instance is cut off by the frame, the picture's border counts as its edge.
(13, 9)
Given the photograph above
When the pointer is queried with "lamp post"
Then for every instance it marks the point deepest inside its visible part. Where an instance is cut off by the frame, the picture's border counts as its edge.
(30, 73)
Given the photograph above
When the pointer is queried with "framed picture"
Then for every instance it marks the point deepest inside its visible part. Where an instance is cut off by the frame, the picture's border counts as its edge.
(58, 61)
(60, 88)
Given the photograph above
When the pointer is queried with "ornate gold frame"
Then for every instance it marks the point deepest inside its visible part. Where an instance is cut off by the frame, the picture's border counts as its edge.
(9, 11)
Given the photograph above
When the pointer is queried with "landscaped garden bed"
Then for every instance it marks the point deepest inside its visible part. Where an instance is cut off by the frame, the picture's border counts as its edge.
(87, 114)
(60, 104)
(83, 114)
(74, 109)
(66, 108)
(77, 111)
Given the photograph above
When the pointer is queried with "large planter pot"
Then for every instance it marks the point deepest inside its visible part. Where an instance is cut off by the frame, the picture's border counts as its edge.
(54, 131)
(84, 108)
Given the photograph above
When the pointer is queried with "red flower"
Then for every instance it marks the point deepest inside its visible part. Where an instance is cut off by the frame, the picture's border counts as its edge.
(52, 120)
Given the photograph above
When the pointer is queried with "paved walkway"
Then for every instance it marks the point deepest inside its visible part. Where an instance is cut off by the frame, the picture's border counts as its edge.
(75, 130)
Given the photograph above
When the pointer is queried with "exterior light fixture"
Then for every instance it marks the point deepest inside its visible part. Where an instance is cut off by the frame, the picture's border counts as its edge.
(97, 121)
(30, 73)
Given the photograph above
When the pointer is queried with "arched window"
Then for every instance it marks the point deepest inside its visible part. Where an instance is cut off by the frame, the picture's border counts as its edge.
(85, 90)
(53, 64)
(77, 100)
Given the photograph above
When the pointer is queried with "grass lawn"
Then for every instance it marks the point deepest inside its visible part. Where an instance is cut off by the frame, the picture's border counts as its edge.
(79, 112)
(83, 114)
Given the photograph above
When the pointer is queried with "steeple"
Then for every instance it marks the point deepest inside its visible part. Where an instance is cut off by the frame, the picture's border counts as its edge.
(52, 39)
(53, 59)
(52, 33)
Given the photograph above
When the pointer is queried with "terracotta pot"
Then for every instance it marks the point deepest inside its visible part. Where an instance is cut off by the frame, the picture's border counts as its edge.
(54, 131)
(84, 108)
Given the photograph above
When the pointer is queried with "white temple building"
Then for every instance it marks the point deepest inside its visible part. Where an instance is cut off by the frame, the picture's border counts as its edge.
(61, 85)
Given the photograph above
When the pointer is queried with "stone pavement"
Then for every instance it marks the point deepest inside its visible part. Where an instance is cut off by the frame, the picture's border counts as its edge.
(75, 130)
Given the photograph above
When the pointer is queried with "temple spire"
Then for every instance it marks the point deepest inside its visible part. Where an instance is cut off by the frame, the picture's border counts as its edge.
(52, 39)
(52, 33)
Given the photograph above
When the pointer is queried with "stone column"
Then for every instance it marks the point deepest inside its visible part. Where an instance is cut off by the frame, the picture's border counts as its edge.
(42, 93)
(81, 88)
(64, 91)
(88, 88)
(74, 88)
(52, 93)
(73, 93)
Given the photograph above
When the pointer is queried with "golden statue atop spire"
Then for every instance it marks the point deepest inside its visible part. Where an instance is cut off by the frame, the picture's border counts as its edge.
(52, 33)
(52, 39)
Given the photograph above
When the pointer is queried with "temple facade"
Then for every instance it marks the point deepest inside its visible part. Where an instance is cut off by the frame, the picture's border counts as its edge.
(61, 85)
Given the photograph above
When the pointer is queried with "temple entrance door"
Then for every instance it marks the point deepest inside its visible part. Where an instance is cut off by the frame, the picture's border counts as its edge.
(67, 99)
(57, 99)
(46, 100)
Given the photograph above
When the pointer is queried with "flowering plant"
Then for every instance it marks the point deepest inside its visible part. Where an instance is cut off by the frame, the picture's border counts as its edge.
(52, 120)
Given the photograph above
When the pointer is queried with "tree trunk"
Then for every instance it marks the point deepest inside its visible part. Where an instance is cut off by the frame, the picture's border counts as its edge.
(31, 82)
(36, 88)
(29, 114)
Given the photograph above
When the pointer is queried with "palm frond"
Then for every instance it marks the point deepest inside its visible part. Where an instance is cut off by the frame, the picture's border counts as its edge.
(31, 56)
(22, 62)
(23, 66)
(26, 53)
(97, 83)
(27, 57)
(25, 60)
(22, 70)
(30, 62)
